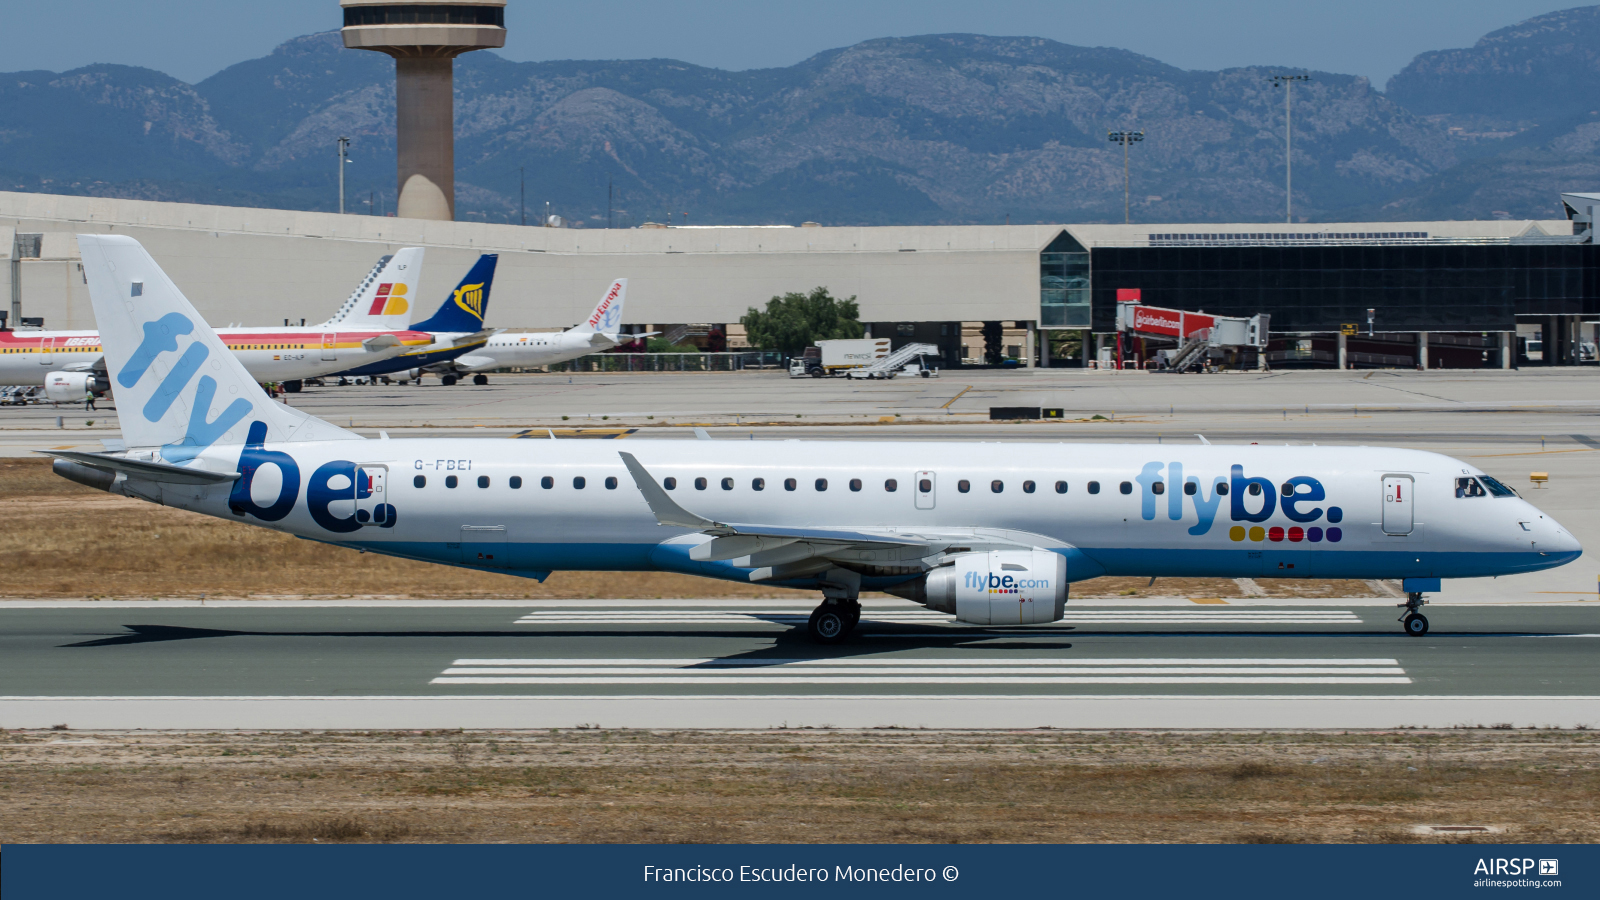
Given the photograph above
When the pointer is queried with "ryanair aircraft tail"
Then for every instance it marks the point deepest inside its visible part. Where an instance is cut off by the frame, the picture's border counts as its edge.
(464, 309)
(178, 388)
(607, 315)
(382, 302)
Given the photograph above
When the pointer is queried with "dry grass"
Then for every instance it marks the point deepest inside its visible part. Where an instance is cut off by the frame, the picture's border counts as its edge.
(797, 786)
(65, 540)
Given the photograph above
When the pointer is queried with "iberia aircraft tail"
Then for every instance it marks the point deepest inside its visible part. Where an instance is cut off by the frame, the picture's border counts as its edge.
(177, 387)
(607, 315)
(382, 302)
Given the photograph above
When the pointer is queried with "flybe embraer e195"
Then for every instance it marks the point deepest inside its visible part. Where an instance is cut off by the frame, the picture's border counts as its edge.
(989, 534)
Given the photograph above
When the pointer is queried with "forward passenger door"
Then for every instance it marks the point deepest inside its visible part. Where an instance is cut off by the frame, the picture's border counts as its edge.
(1398, 503)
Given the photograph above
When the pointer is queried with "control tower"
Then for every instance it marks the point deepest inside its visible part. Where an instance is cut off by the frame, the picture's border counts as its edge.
(424, 39)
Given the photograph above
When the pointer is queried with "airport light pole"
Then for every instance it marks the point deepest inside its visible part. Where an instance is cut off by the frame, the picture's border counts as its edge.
(344, 157)
(1125, 138)
(1287, 81)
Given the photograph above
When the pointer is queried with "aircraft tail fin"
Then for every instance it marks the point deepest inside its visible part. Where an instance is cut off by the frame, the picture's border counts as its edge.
(607, 315)
(177, 386)
(464, 309)
(383, 300)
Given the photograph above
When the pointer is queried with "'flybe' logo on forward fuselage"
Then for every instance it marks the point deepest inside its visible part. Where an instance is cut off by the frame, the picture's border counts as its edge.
(161, 336)
(1250, 499)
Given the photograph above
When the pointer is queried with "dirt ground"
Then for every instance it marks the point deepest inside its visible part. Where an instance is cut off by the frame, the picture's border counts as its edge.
(797, 786)
(59, 536)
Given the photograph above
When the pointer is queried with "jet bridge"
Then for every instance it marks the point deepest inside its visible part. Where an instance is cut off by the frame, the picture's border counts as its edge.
(1196, 334)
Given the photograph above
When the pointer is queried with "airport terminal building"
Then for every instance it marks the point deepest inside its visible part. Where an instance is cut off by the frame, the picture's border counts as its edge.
(1444, 294)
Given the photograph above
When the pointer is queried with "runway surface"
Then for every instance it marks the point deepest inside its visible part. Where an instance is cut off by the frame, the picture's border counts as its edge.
(686, 664)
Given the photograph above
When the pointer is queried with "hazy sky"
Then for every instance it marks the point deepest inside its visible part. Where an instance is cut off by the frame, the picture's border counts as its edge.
(191, 39)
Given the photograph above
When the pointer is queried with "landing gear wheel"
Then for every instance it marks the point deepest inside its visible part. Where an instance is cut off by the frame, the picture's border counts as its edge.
(448, 379)
(1416, 624)
(829, 624)
(480, 379)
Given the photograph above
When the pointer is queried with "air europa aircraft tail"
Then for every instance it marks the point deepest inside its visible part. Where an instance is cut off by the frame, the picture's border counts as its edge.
(178, 388)
(382, 302)
(463, 310)
(607, 315)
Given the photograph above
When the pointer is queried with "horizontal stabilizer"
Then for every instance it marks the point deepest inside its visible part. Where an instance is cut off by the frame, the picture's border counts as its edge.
(143, 470)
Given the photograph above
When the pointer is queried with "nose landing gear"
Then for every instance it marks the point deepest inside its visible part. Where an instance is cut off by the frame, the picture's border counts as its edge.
(1414, 622)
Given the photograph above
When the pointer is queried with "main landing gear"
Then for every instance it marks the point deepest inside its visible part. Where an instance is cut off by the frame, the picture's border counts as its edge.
(833, 621)
(840, 611)
(1414, 622)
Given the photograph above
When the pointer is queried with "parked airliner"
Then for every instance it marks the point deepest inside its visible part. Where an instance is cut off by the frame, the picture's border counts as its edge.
(990, 533)
(602, 330)
(457, 330)
(373, 324)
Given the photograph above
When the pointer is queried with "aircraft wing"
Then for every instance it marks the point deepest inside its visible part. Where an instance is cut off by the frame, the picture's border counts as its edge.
(143, 470)
(777, 551)
(476, 337)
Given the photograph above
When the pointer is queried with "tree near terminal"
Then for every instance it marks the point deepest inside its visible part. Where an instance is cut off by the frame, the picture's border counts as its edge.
(795, 321)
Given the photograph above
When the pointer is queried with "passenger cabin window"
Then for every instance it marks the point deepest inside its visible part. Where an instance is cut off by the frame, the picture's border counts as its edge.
(1027, 487)
(727, 484)
(1094, 487)
(547, 482)
(1159, 487)
(450, 481)
(420, 481)
(891, 485)
(758, 484)
(822, 484)
(483, 481)
(578, 482)
(670, 484)
(1190, 488)
(997, 486)
(963, 485)
(1061, 487)
(855, 484)
(611, 482)
(1469, 487)
(1286, 489)
(925, 485)
(1126, 487)
(516, 482)
(1496, 488)
(790, 484)
(1253, 490)
(699, 484)
(1222, 488)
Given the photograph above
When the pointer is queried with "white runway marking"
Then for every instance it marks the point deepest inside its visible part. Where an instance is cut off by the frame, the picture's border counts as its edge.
(921, 617)
(711, 672)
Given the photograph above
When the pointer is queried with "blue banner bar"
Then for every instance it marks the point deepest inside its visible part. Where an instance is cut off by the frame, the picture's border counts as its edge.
(468, 872)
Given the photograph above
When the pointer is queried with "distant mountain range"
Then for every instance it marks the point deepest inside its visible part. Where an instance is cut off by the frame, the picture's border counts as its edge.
(953, 128)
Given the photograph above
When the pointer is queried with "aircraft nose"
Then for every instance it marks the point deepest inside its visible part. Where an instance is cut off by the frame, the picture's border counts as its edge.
(1550, 538)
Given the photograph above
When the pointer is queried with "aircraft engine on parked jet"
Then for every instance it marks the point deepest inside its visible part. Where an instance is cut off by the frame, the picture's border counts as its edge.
(70, 387)
(1000, 587)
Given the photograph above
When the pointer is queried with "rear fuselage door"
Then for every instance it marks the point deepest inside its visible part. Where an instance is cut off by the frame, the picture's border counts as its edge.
(45, 358)
(372, 495)
(1398, 504)
(926, 483)
(330, 346)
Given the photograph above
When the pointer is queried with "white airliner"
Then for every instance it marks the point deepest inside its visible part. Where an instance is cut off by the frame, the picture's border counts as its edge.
(373, 324)
(990, 533)
(600, 331)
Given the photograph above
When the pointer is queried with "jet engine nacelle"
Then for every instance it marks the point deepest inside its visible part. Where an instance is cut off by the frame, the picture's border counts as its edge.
(411, 375)
(70, 387)
(1001, 587)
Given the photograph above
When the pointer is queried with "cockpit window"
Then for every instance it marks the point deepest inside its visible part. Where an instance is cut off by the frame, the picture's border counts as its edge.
(1496, 488)
(1469, 487)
